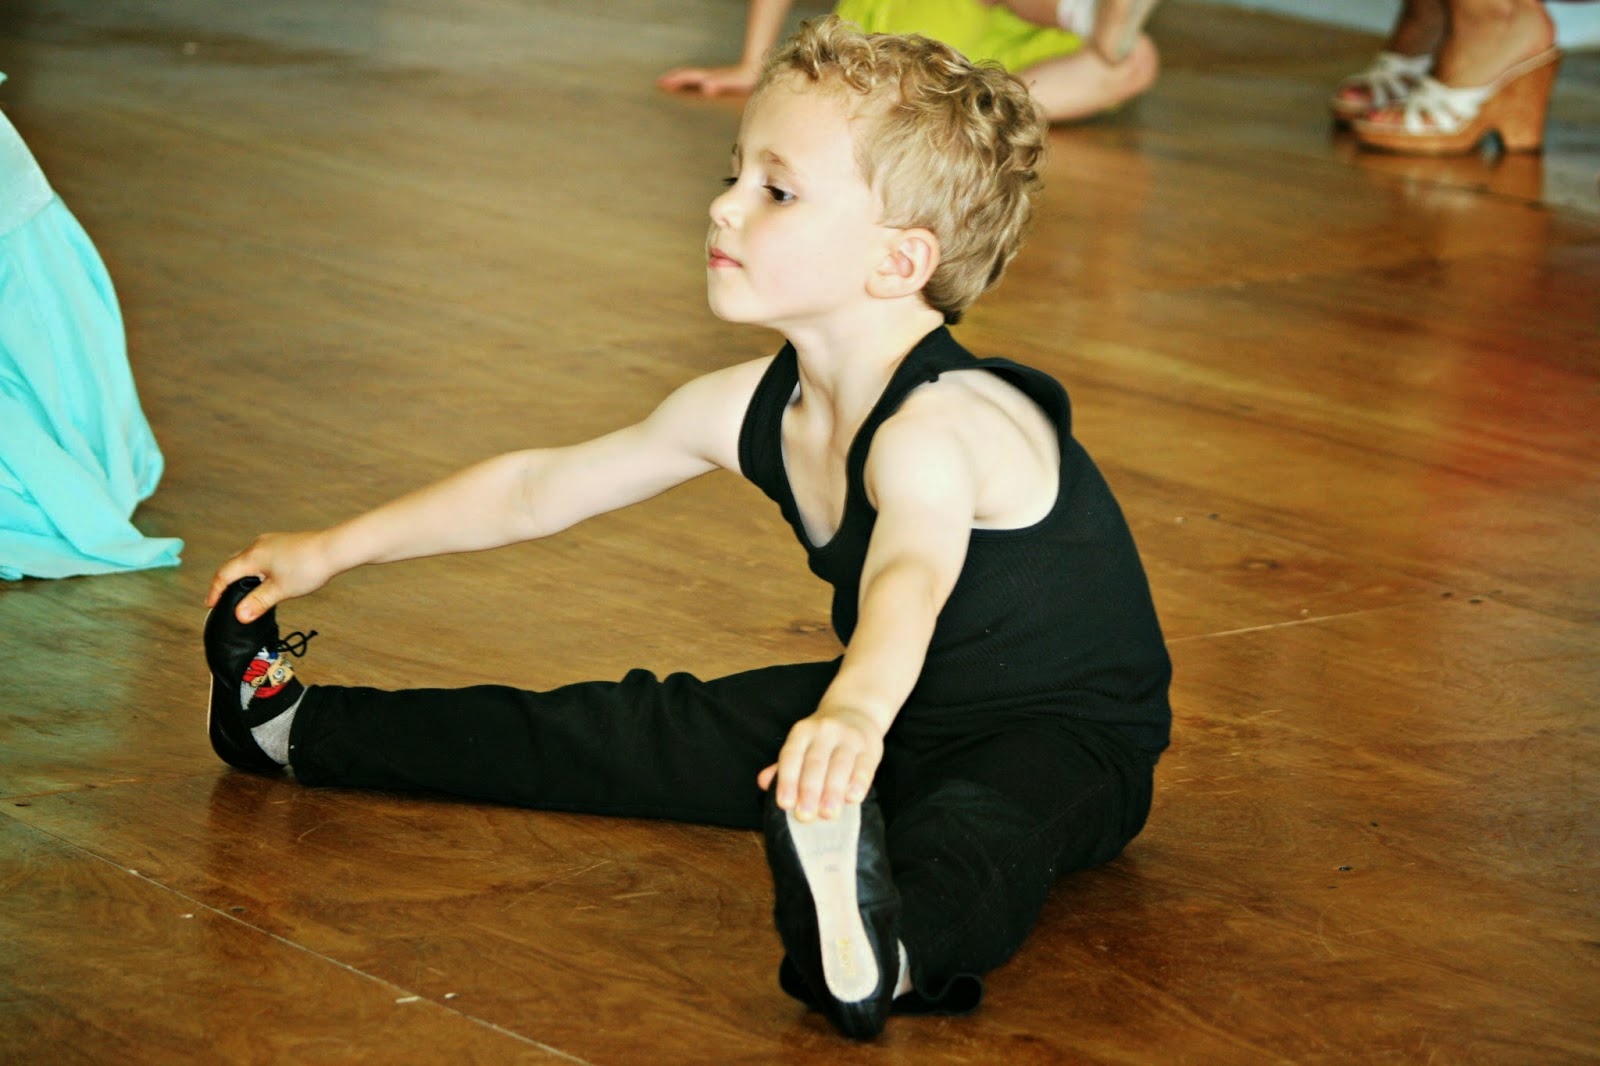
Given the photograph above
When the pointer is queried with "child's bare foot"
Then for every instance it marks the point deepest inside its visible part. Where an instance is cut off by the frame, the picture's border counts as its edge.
(1084, 84)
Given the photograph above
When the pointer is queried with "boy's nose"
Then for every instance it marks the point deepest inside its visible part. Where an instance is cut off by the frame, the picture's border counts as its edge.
(725, 209)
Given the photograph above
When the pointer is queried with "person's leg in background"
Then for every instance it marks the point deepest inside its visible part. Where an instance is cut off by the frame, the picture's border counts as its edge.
(1488, 37)
(1492, 72)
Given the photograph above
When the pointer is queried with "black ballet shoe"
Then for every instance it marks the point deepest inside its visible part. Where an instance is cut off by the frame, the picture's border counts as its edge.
(837, 912)
(231, 647)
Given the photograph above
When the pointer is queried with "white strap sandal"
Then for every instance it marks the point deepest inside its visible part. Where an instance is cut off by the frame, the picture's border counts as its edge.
(1434, 107)
(1438, 120)
(1388, 80)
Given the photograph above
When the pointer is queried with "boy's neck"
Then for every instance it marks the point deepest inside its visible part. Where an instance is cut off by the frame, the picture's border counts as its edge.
(846, 363)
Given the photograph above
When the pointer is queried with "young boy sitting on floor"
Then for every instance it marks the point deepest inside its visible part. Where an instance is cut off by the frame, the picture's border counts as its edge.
(1002, 699)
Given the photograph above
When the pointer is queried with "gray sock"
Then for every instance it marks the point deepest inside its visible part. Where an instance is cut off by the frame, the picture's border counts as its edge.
(272, 736)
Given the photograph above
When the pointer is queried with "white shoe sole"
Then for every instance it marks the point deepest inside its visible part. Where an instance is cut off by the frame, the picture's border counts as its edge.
(827, 849)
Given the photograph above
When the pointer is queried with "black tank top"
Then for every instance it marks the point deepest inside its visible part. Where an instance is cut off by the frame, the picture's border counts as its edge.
(1053, 618)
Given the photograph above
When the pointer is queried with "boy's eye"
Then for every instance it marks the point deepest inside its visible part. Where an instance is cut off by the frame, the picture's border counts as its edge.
(775, 193)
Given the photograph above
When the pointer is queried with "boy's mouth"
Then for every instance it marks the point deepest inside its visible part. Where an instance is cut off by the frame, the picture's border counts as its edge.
(718, 258)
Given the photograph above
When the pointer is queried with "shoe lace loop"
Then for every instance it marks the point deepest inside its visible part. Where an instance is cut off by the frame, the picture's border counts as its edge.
(295, 643)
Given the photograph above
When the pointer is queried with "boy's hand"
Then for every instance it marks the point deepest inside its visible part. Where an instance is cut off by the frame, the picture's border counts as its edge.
(711, 81)
(829, 760)
(289, 565)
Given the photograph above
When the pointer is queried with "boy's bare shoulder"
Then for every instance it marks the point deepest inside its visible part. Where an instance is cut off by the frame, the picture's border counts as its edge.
(726, 392)
(707, 413)
(747, 375)
(1010, 445)
(972, 403)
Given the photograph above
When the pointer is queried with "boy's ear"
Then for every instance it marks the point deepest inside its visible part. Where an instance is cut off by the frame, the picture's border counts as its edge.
(909, 260)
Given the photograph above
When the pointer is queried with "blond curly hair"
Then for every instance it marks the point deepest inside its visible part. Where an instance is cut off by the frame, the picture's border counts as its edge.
(950, 146)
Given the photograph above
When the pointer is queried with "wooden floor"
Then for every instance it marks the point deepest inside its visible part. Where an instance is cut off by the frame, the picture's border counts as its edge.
(1351, 405)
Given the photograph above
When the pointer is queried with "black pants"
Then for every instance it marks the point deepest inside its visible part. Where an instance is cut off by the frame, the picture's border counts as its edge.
(982, 809)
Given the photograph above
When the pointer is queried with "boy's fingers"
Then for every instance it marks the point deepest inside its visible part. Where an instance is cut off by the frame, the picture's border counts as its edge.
(790, 759)
(764, 778)
(226, 574)
(256, 603)
(813, 775)
(821, 768)
(860, 780)
(841, 770)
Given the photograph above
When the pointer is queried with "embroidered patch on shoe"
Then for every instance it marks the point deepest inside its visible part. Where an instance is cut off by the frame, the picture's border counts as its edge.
(265, 677)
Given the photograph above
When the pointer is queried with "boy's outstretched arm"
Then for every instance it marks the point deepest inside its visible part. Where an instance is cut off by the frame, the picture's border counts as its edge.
(922, 481)
(512, 497)
(763, 25)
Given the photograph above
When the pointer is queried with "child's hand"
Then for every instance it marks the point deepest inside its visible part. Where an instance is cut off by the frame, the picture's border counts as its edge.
(829, 760)
(711, 81)
(289, 565)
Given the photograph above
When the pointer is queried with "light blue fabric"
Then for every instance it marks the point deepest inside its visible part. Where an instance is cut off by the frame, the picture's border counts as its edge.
(76, 453)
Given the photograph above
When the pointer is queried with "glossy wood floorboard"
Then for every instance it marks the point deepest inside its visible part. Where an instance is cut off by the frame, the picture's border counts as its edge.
(1349, 404)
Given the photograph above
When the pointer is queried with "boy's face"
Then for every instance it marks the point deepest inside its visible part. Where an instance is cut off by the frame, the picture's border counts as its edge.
(796, 236)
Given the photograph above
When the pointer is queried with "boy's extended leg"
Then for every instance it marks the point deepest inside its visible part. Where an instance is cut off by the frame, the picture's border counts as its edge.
(978, 830)
(678, 747)
(675, 747)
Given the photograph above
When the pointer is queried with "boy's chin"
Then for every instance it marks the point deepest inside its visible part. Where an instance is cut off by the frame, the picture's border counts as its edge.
(729, 312)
